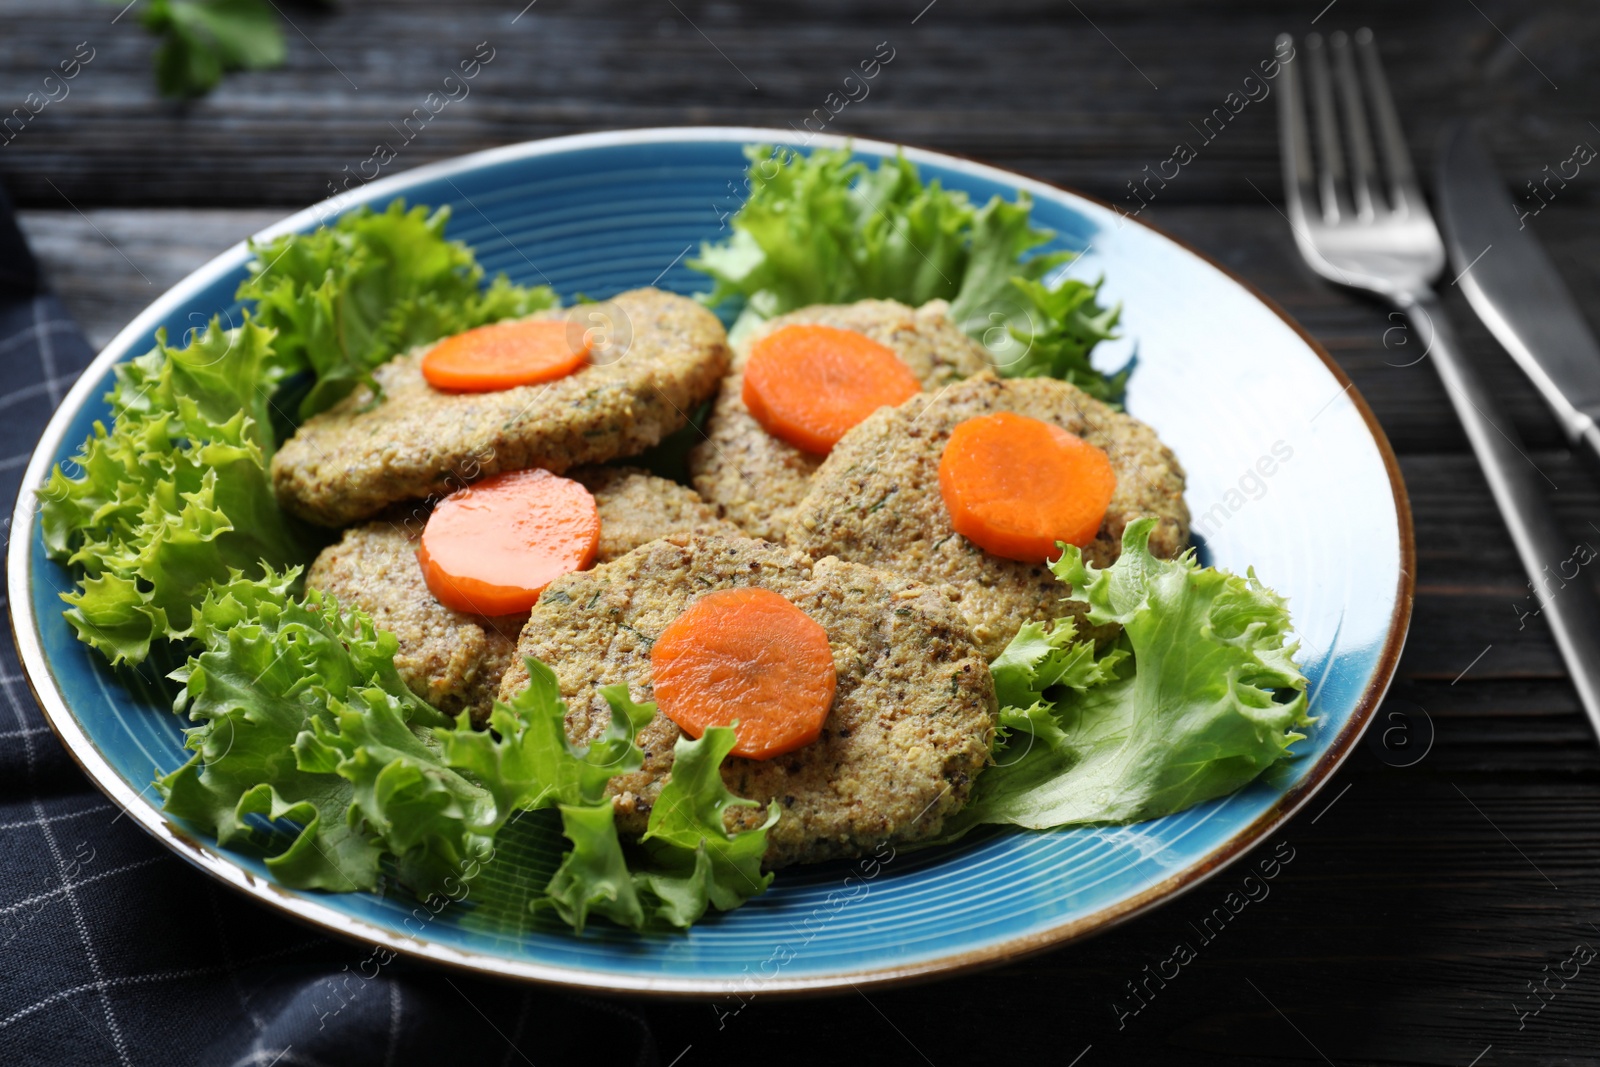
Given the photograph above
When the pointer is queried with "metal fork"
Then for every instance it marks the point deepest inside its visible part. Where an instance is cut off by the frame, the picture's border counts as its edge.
(1364, 224)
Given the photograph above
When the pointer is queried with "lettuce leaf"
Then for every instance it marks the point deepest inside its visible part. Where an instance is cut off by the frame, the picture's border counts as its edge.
(303, 718)
(347, 297)
(594, 877)
(526, 757)
(176, 495)
(271, 669)
(688, 862)
(1188, 705)
(1053, 333)
(792, 239)
(527, 761)
(1002, 234)
(200, 39)
(1042, 657)
(436, 822)
(824, 229)
(311, 749)
(694, 859)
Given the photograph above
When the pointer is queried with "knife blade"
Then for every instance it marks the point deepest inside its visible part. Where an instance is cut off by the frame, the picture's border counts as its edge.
(1512, 285)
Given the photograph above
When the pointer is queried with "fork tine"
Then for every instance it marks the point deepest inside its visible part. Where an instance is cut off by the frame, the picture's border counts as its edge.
(1331, 173)
(1363, 162)
(1299, 186)
(1404, 193)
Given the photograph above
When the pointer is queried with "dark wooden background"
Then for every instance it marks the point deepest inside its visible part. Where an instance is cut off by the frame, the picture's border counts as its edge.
(1424, 901)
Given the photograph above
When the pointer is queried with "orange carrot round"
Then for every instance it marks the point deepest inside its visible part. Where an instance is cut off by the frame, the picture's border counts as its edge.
(749, 658)
(503, 355)
(808, 385)
(491, 548)
(1014, 486)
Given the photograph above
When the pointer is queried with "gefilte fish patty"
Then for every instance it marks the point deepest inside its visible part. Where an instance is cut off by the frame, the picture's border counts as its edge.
(910, 723)
(357, 458)
(877, 500)
(454, 660)
(756, 478)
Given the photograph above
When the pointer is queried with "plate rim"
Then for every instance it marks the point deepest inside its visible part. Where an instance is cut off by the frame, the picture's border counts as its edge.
(307, 909)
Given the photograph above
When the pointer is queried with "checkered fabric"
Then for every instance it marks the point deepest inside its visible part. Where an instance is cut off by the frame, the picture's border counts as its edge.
(115, 951)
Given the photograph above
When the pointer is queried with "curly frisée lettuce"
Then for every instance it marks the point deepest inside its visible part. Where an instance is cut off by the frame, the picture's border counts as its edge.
(825, 229)
(305, 725)
(1197, 697)
(1055, 333)
(687, 860)
(302, 717)
(692, 858)
(347, 297)
(175, 495)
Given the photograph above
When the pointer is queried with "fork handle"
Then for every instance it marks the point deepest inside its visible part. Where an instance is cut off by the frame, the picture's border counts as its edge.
(1554, 564)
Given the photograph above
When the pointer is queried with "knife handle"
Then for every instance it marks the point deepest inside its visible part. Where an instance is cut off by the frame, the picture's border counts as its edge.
(1567, 603)
(1587, 445)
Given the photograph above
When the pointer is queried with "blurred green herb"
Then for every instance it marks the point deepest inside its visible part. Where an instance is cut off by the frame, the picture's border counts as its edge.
(203, 39)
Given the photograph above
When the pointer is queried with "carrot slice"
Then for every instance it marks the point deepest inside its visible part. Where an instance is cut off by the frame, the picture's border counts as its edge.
(1014, 486)
(503, 355)
(808, 385)
(749, 658)
(491, 548)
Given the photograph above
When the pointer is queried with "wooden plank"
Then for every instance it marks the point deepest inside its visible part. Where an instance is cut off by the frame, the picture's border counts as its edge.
(1404, 931)
(1064, 92)
(107, 265)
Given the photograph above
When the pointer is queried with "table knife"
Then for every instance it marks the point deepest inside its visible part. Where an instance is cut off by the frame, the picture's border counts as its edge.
(1514, 288)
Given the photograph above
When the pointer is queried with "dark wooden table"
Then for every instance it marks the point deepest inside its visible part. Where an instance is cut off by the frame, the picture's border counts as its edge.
(1425, 901)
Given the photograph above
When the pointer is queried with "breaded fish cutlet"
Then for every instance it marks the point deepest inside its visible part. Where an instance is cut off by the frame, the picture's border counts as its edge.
(877, 499)
(454, 660)
(352, 461)
(908, 730)
(757, 479)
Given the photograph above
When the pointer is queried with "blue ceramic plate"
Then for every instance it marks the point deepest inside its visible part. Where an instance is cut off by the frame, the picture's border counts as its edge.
(1288, 473)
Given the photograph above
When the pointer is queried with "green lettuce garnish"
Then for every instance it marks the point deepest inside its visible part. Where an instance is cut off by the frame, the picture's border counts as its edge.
(303, 717)
(347, 297)
(693, 859)
(304, 723)
(528, 762)
(175, 495)
(825, 229)
(1187, 705)
(688, 861)
(1054, 334)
